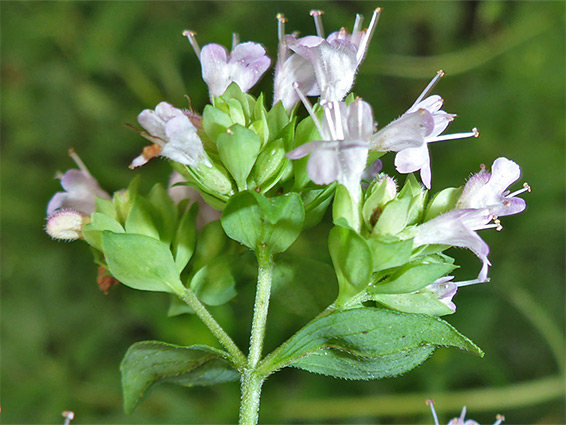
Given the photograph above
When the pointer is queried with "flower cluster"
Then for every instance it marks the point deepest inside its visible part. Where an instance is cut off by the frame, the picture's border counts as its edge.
(237, 144)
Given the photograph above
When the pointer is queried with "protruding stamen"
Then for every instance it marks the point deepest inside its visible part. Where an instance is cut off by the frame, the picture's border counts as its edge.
(308, 107)
(192, 39)
(317, 16)
(69, 416)
(431, 85)
(79, 162)
(526, 188)
(329, 120)
(281, 27)
(358, 23)
(235, 40)
(473, 133)
(470, 282)
(500, 418)
(338, 122)
(430, 402)
(364, 43)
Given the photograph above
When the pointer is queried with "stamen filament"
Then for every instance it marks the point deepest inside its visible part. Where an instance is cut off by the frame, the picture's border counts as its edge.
(431, 85)
(433, 410)
(357, 23)
(192, 39)
(526, 188)
(329, 120)
(338, 123)
(473, 133)
(500, 418)
(309, 108)
(235, 39)
(79, 162)
(470, 282)
(281, 27)
(364, 43)
(317, 16)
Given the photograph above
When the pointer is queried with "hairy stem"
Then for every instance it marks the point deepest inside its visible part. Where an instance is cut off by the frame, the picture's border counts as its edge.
(251, 379)
(189, 297)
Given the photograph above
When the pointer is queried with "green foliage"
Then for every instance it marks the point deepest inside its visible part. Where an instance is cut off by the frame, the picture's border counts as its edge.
(152, 362)
(255, 221)
(141, 262)
(385, 342)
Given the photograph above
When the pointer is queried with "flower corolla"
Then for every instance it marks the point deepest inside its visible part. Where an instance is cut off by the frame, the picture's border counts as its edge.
(173, 136)
(244, 65)
(489, 190)
(342, 152)
(409, 135)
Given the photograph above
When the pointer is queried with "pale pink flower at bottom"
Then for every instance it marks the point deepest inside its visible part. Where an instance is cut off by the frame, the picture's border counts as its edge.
(461, 420)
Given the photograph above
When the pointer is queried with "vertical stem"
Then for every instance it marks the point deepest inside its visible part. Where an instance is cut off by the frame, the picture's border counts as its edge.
(251, 380)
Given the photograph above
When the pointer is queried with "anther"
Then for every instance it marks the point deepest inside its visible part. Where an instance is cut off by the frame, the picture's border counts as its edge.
(192, 39)
(281, 27)
(500, 418)
(526, 188)
(430, 86)
(69, 416)
(498, 225)
(317, 16)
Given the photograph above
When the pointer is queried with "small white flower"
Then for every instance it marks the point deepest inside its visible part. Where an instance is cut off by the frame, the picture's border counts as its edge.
(173, 135)
(342, 152)
(462, 419)
(489, 190)
(410, 134)
(81, 190)
(244, 65)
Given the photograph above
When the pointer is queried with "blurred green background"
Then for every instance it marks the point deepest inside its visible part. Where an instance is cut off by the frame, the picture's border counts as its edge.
(74, 72)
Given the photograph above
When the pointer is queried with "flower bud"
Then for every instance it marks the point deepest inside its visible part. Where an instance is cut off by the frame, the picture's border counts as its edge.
(66, 225)
(379, 193)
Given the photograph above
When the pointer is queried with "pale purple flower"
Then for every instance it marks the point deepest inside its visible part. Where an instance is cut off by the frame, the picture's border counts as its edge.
(173, 136)
(244, 65)
(410, 134)
(342, 152)
(489, 190)
(335, 59)
(445, 289)
(66, 225)
(81, 190)
(458, 228)
(291, 68)
(461, 420)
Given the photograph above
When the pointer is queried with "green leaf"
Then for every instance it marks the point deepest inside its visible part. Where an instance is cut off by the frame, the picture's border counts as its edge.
(316, 203)
(254, 220)
(413, 277)
(215, 122)
(166, 210)
(211, 243)
(367, 343)
(152, 362)
(277, 119)
(443, 201)
(184, 243)
(106, 206)
(394, 217)
(238, 148)
(352, 261)
(215, 283)
(389, 253)
(92, 232)
(424, 302)
(306, 132)
(141, 220)
(141, 262)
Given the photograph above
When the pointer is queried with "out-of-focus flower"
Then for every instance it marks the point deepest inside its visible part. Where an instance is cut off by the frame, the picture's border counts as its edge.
(335, 59)
(410, 134)
(179, 191)
(81, 190)
(342, 152)
(173, 135)
(458, 228)
(489, 190)
(462, 419)
(244, 65)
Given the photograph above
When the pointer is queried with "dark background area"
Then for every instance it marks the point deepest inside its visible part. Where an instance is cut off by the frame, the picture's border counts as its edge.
(72, 73)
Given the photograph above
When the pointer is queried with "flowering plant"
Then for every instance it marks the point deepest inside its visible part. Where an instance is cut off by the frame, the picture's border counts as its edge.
(249, 181)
